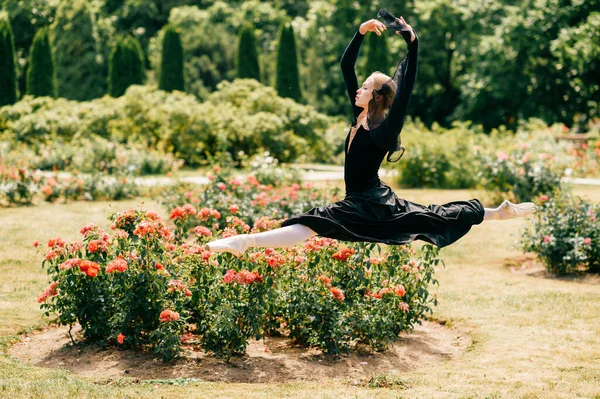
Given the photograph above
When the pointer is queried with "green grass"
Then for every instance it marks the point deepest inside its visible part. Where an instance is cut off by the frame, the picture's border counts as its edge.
(533, 337)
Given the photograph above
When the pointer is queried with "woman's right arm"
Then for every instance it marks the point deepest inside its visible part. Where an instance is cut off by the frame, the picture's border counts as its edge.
(347, 64)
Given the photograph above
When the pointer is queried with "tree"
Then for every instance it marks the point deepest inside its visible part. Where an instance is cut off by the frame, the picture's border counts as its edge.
(126, 66)
(247, 57)
(171, 64)
(79, 73)
(41, 79)
(377, 55)
(287, 80)
(8, 72)
(516, 75)
(26, 18)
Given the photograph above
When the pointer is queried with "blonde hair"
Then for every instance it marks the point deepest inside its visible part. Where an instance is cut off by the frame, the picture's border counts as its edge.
(384, 90)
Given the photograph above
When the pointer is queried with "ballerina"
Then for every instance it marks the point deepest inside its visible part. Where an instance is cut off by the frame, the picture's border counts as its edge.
(371, 211)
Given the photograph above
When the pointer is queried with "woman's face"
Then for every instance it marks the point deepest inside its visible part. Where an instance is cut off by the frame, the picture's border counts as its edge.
(364, 94)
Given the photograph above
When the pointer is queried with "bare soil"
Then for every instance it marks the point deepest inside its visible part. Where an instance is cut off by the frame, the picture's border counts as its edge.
(528, 264)
(268, 360)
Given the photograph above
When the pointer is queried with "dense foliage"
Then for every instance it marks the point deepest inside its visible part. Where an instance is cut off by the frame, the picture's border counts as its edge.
(242, 117)
(151, 284)
(565, 234)
(492, 63)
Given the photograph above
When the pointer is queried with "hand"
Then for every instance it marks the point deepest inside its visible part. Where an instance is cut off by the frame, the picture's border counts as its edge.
(406, 26)
(372, 25)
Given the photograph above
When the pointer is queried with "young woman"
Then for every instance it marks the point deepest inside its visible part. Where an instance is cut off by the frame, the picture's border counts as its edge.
(371, 211)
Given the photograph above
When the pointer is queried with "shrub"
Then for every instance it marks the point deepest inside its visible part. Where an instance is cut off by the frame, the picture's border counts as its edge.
(146, 284)
(565, 234)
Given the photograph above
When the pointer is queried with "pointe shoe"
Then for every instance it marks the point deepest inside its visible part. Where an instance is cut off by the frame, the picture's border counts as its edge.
(235, 245)
(508, 210)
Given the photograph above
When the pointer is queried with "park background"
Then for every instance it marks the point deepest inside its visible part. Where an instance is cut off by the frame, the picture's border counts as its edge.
(107, 105)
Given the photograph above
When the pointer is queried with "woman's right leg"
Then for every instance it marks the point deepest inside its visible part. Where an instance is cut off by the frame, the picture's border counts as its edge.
(508, 210)
(282, 237)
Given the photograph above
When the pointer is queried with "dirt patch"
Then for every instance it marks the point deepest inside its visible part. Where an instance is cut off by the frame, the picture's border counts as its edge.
(268, 360)
(528, 264)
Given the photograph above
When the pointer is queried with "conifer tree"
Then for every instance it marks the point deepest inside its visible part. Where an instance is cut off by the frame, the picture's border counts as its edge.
(126, 66)
(171, 64)
(247, 57)
(377, 55)
(41, 79)
(8, 72)
(79, 74)
(287, 78)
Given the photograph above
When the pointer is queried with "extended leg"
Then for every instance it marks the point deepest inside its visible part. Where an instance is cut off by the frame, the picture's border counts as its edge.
(508, 210)
(283, 237)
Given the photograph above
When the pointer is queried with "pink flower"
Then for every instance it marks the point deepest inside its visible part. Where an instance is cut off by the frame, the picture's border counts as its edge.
(587, 241)
(48, 292)
(36, 243)
(189, 209)
(404, 306)
(324, 279)
(229, 276)
(547, 239)
(168, 315)
(221, 186)
(202, 231)
(337, 293)
(217, 168)
(87, 228)
(234, 208)
(121, 338)
(117, 265)
(544, 198)
(399, 290)
(502, 155)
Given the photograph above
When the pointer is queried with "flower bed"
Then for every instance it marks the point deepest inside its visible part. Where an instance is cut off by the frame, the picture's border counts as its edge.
(19, 186)
(151, 285)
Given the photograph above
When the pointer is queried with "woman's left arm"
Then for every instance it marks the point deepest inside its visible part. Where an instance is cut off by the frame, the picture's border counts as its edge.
(407, 70)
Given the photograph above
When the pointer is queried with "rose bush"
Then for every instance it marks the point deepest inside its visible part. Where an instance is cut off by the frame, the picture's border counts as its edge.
(151, 284)
(565, 234)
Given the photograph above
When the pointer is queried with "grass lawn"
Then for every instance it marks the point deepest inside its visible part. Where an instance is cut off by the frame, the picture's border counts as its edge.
(533, 337)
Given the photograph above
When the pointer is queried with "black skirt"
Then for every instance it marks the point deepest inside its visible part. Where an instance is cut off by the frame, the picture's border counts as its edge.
(378, 215)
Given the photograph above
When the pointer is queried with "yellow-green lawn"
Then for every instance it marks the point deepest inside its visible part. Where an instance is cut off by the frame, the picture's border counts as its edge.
(533, 336)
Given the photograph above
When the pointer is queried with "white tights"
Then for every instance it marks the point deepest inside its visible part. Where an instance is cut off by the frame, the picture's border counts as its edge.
(282, 237)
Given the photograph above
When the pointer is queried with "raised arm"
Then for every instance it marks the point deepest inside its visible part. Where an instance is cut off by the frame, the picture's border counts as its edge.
(387, 135)
(347, 64)
(407, 73)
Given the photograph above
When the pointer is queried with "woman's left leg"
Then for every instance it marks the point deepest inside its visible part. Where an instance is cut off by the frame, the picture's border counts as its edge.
(282, 237)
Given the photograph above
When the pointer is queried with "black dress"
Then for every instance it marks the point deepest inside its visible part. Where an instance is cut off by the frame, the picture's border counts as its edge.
(371, 211)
